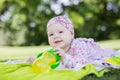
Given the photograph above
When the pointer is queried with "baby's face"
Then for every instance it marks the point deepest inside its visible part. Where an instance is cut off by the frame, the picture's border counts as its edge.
(59, 36)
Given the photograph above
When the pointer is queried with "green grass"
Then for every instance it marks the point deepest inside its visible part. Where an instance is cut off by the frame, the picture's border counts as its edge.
(25, 52)
(115, 44)
(20, 52)
(114, 74)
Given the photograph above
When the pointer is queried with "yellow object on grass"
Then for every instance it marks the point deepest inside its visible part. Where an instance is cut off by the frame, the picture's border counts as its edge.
(115, 60)
(46, 61)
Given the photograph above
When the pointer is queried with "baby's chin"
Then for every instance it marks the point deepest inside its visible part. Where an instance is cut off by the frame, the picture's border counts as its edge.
(57, 46)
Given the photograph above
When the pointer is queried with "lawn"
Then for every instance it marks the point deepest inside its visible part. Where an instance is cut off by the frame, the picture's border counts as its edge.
(7, 52)
(115, 44)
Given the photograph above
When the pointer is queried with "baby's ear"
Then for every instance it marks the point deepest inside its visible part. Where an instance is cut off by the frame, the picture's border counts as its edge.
(72, 35)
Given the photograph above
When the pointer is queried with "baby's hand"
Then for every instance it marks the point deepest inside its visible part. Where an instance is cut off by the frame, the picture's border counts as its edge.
(61, 53)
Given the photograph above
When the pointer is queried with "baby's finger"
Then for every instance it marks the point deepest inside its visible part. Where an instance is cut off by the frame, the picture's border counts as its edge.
(57, 52)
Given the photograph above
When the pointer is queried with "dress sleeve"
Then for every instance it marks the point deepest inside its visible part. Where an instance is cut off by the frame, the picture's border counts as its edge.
(96, 52)
(98, 55)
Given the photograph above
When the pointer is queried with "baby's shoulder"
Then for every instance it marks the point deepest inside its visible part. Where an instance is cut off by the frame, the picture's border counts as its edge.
(84, 39)
(85, 42)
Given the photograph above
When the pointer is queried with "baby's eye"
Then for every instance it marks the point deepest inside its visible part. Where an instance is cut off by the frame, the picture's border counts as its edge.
(60, 31)
(50, 34)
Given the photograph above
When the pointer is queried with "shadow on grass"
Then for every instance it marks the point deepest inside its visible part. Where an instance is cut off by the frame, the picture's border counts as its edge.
(114, 74)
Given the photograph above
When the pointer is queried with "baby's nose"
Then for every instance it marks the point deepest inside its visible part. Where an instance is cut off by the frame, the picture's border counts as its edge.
(56, 35)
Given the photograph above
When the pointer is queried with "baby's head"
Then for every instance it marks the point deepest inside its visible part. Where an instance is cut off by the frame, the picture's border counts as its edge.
(60, 32)
(65, 21)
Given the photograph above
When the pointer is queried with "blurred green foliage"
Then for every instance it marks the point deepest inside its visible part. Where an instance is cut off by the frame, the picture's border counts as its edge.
(23, 22)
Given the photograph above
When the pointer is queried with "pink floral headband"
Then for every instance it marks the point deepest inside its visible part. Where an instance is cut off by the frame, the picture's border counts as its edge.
(62, 19)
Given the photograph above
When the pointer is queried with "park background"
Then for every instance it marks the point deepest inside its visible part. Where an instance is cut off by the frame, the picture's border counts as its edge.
(23, 24)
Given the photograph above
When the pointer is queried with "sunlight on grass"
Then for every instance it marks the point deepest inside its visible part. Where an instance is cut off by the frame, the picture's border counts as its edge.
(7, 53)
(20, 52)
(115, 44)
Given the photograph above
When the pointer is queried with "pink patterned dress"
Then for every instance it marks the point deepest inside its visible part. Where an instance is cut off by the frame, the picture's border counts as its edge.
(84, 51)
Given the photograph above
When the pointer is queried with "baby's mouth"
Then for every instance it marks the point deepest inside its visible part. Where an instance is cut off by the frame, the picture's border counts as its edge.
(56, 42)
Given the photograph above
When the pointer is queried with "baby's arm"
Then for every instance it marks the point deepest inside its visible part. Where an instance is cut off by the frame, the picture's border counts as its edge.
(61, 53)
(30, 60)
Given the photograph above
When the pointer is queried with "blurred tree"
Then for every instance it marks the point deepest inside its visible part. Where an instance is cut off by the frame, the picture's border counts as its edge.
(24, 21)
(28, 16)
(99, 18)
